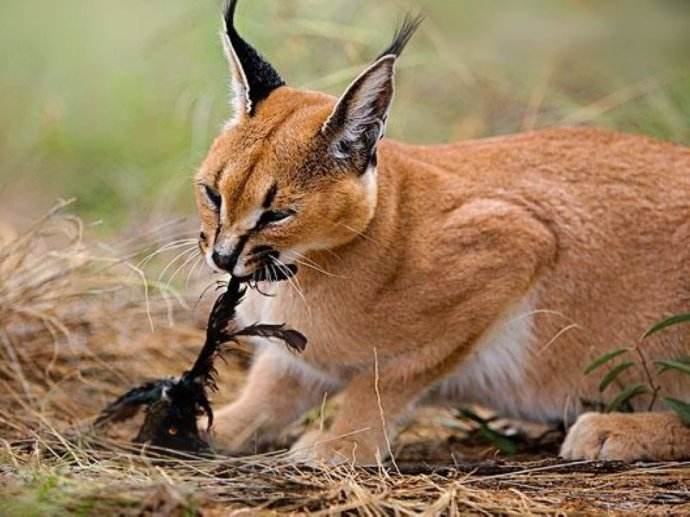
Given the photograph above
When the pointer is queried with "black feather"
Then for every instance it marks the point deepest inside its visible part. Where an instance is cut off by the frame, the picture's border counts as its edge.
(128, 405)
(218, 332)
(403, 35)
(294, 339)
(174, 404)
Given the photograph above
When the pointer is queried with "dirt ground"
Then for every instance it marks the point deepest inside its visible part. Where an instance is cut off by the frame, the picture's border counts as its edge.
(76, 331)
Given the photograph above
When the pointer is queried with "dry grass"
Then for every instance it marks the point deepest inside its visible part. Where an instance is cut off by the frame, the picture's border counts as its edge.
(75, 331)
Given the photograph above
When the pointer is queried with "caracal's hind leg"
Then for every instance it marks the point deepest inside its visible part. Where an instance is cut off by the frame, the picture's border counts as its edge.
(628, 437)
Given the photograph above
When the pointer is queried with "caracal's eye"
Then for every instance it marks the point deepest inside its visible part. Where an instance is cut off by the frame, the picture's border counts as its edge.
(276, 216)
(212, 197)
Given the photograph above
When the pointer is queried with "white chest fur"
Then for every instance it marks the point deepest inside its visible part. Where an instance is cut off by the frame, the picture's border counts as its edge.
(498, 373)
(277, 308)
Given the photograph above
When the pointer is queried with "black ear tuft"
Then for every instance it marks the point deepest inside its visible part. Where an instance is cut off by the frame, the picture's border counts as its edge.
(403, 35)
(259, 76)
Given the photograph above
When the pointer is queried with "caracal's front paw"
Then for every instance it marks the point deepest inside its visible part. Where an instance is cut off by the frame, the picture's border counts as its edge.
(318, 448)
(232, 430)
(624, 437)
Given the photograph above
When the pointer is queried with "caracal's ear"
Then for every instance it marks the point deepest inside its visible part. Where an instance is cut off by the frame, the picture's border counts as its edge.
(253, 78)
(358, 120)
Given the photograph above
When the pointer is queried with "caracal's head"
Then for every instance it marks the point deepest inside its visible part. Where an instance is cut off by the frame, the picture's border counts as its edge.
(294, 171)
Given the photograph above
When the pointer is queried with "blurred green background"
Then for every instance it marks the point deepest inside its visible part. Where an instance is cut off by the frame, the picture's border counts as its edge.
(116, 102)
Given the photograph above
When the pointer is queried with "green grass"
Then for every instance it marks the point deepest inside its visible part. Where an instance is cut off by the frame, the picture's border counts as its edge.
(50, 491)
(116, 102)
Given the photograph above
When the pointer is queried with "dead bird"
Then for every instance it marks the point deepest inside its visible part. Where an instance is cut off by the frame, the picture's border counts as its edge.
(174, 404)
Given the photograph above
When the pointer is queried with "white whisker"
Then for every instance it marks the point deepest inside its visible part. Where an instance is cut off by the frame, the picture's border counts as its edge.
(304, 257)
(159, 229)
(215, 283)
(307, 262)
(299, 289)
(283, 267)
(190, 258)
(315, 268)
(316, 264)
(193, 270)
(168, 247)
(360, 234)
(177, 257)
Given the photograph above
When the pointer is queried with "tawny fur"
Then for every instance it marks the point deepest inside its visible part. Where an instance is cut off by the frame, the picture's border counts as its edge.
(490, 271)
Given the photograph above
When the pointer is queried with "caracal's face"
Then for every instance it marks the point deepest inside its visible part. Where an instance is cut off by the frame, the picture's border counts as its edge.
(294, 171)
(270, 191)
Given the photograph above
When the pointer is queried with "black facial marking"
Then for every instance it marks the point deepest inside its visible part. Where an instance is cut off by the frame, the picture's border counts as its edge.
(275, 274)
(262, 256)
(272, 216)
(238, 250)
(260, 250)
(213, 196)
(270, 196)
(218, 174)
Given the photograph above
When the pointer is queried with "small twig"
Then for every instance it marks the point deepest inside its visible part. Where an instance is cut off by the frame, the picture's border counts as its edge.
(322, 413)
(381, 413)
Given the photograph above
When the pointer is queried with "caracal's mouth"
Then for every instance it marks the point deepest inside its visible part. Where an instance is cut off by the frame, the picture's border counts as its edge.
(267, 267)
(270, 272)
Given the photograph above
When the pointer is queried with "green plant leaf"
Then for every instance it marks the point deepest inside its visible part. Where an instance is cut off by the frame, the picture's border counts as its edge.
(600, 361)
(681, 408)
(668, 322)
(627, 394)
(613, 374)
(474, 417)
(498, 440)
(502, 442)
(681, 365)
